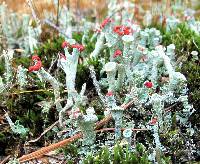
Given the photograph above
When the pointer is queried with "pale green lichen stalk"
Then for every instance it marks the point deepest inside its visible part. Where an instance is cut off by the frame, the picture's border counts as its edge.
(69, 66)
(96, 84)
(45, 76)
(87, 124)
(111, 69)
(121, 76)
(2, 86)
(99, 45)
(8, 56)
(16, 127)
(117, 114)
(158, 108)
(21, 77)
(127, 134)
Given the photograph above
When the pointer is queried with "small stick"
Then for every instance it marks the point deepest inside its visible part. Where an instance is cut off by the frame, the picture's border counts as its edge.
(168, 109)
(35, 17)
(39, 153)
(57, 18)
(5, 160)
(43, 133)
(46, 21)
(52, 64)
(116, 11)
(122, 129)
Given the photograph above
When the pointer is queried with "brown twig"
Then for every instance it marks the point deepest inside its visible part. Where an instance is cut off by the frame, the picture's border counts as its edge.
(109, 117)
(45, 131)
(57, 16)
(168, 109)
(47, 21)
(122, 129)
(39, 153)
(118, 10)
(5, 160)
(33, 10)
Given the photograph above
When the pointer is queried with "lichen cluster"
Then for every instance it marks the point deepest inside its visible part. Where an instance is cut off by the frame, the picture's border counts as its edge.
(97, 74)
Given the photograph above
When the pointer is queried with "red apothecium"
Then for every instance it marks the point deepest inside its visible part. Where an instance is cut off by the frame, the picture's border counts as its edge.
(148, 84)
(117, 53)
(109, 93)
(65, 44)
(78, 46)
(123, 30)
(38, 64)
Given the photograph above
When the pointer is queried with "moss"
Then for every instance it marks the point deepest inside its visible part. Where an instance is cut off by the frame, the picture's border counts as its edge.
(119, 155)
(49, 49)
(2, 68)
(185, 41)
(21, 61)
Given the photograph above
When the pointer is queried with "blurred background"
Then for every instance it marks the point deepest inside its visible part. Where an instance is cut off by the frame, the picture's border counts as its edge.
(96, 8)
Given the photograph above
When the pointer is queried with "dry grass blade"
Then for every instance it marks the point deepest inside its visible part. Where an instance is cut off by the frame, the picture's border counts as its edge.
(48, 129)
(39, 153)
(5, 160)
(112, 129)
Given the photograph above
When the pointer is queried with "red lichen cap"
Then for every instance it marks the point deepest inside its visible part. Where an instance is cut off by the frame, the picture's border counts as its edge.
(65, 44)
(78, 46)
(38, 64)
(148, 84)
(127, 30)
(123, 30)
(109, 93)
(35, 57)
(117, 53)
(117, 29)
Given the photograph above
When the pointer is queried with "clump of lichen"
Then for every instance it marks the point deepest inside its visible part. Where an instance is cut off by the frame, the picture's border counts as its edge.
(186, 41)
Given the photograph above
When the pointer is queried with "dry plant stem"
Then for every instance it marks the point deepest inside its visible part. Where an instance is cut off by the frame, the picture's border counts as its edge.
(23, 92)
(39, 153)
(52, 64)
(134, 139)
(46, 21)
(168, 109)
(119, 10)
(57, 16)
(35, 16)
(5, 160)
(46, 130)
(112, 129)
(30, 4)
